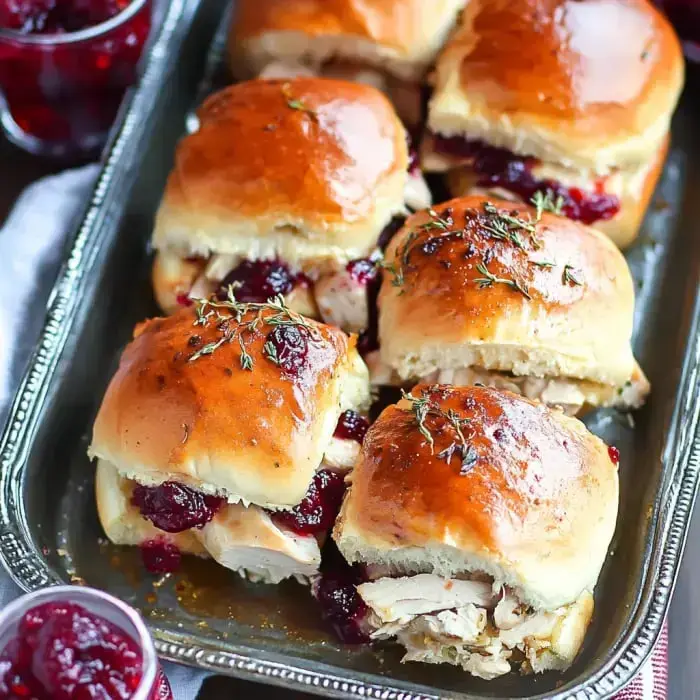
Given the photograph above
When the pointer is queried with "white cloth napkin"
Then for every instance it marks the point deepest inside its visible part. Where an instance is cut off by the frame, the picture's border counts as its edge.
(32, 243)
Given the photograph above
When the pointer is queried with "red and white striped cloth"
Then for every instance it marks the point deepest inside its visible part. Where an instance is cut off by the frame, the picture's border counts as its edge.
(651, 683)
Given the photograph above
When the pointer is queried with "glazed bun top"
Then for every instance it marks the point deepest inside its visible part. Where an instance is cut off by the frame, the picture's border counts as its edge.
(239, 403)
(479, 282)
(589, 84)
(322, 162)
(528, 496)
(401, 36)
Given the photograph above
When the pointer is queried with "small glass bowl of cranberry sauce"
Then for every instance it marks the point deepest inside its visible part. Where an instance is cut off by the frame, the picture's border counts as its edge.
(64, 68)
(77, 642)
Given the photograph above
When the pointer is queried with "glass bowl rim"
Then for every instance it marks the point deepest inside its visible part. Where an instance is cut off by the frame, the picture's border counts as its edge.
(86, 34)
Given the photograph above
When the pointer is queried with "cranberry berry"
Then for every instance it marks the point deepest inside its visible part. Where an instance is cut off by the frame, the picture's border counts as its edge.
(614, 454)
(363, 270)
(287, 345)
(351, 426)
(319, 509)
(172, 507)
(258, 280)
(160, 556)
(63, 651)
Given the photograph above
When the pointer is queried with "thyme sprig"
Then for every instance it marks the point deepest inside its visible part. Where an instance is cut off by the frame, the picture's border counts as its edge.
(437, 222)
(422, 407)
(294, 103)
(570, 276)
(546, 202)
(209, 310)
(489, 279)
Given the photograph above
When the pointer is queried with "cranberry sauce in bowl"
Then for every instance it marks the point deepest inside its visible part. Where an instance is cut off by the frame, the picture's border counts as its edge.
(498, 167)
(64, 67)
(71, 642)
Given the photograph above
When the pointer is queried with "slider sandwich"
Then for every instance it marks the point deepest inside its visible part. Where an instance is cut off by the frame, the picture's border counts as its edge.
(570, 98)
(287, 187)
(226, 433)
(389, 44)
(487, 291)
(482, 520)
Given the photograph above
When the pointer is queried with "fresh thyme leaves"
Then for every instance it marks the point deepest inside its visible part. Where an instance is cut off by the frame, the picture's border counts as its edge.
(570, 276)
(270, 352)
(489, 279)
(506, 226)
(422, 407)
(546, 202)
(278, 314)
(544, 264)
(436, 222)
(294, 103)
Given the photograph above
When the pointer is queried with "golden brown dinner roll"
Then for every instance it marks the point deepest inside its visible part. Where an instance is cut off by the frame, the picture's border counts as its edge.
(221, 420)
(400, 36)
(482, 520)
(488, 291)
(570, 96)
(389, 44)
(284, 183)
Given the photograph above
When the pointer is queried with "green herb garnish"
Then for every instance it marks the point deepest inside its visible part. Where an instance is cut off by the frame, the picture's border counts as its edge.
(489, 279)
(294, 103)
(569, 276)
(421, 408)
(209, 310)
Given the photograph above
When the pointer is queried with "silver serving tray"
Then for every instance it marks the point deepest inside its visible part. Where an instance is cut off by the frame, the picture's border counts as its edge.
(209, 618)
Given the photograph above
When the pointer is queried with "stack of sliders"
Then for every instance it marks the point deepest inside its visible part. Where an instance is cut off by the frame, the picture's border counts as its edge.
(390, 45)
(572, 98)
(225, 433)
(480, 290)
(481, 520)
(286, 188)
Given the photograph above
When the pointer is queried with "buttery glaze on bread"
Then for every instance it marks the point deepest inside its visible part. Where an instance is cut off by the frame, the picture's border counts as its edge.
(318, 162)
(482, 521)
(535, 507)
(400, 36)
(183, 407)
(306, 172)
(590, 85)
(552, 299)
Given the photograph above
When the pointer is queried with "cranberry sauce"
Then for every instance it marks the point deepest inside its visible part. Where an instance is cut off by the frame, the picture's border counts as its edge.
(362, 270)
(351, 426)
(614, 454)
(288, 347)
(172, 507)
(184, 300)
(57, 16)
(160, 556)
(63, 651)
(258, 280)
(66, 95)
(317, 512)
(389, 231)
(336, 593)
(498, 167)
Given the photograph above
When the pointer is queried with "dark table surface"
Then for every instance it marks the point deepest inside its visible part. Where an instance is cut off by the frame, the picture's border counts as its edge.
(17, 170)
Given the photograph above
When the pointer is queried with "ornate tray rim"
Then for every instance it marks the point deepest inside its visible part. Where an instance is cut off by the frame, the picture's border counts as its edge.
(673, 503)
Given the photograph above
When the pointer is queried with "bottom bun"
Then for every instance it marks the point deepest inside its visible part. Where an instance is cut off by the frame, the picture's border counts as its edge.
(243, 539)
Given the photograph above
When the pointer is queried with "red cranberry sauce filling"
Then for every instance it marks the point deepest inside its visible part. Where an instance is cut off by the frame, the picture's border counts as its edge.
(288, 347)
(341, 604)
(258, 280)
(614, 454)
(63, 651)
(362, 270)
(352, 426)
(498, 167)
(317, 512)
(57, 16)
(160, 556)
(172, 507)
